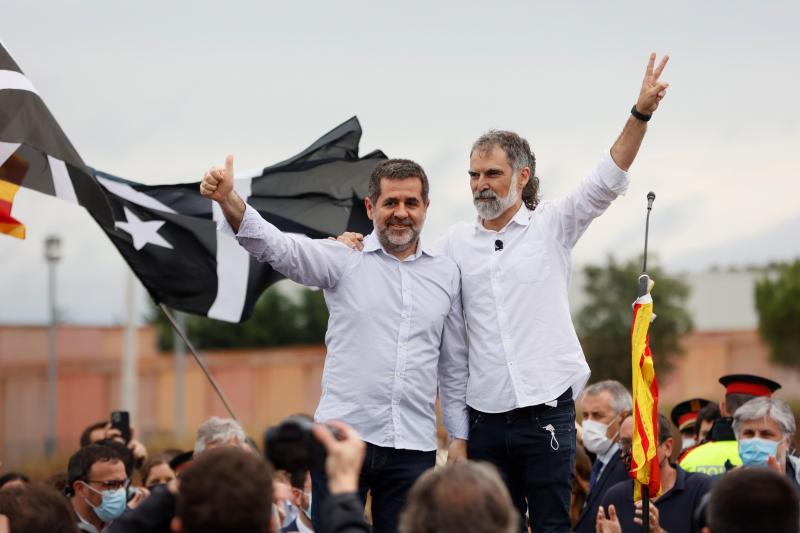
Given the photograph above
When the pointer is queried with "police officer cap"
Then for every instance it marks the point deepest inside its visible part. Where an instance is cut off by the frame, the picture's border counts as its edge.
(748, 384)
(684, 414)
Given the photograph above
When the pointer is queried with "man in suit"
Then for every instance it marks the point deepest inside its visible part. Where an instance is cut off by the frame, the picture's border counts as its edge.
(604, 405)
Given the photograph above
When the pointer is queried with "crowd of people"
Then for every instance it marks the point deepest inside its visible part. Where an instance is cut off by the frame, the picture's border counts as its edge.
(481, 322)
(745, 481)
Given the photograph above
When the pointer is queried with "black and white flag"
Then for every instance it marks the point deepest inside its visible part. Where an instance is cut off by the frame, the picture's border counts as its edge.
(167, 233)
(29, 132)
(168, 236)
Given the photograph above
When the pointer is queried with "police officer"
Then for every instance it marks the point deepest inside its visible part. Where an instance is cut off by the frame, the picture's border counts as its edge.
(721, 453)
(684, 416)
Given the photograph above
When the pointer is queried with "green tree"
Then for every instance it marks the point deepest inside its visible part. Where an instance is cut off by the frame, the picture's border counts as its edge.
(277, 320)
(604, 323)
(778, 306)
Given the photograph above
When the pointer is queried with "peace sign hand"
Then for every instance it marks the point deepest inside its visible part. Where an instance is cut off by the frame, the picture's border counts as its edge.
(653, 90)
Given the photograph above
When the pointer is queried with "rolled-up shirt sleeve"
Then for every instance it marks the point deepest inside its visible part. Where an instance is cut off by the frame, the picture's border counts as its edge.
(589, 200)
(311, 262)
(454, 370)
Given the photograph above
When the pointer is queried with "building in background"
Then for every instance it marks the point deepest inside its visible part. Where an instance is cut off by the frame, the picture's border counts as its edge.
(265, 385)
(262, 385)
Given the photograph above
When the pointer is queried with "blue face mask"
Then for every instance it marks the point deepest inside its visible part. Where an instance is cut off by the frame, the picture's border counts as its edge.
(113, 504)
(755, 451)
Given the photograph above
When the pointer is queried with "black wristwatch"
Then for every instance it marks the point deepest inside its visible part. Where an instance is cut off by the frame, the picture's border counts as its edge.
(640, 116)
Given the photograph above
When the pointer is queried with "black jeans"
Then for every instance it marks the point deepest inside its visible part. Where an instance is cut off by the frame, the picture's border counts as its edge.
(534, 450)
(388, 473)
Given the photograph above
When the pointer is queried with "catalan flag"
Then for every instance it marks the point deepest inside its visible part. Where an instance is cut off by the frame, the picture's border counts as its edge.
(12, 171)
(644, 462)
(30, 133)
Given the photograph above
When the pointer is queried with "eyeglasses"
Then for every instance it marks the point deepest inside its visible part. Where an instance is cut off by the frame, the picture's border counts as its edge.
(112, 484)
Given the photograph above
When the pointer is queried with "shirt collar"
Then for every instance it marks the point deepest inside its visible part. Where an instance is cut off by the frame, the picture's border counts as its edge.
(85, 525)
(521, 217)
(373, 244)
(680, 478)
(301, 527)
(680, 482)
(606, 457)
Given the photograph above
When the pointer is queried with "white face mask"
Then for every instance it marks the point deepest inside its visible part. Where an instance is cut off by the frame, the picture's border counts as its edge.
(595, 438)
(688, 442)
(307, 510)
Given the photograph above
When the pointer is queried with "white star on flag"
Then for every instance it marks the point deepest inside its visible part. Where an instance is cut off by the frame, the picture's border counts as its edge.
(143, 232)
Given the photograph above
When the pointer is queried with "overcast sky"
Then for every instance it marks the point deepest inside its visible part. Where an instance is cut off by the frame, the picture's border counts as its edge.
(158, 91)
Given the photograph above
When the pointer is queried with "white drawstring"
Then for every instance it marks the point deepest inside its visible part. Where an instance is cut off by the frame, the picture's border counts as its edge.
(553, 440)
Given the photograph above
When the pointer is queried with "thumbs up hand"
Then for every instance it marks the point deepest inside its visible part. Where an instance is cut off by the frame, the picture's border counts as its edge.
(217, 183)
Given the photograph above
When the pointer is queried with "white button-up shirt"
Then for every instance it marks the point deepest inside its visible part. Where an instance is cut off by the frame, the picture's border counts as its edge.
(523, 349)
(394, 328)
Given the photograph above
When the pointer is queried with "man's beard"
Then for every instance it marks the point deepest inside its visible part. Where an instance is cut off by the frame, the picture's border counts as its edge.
(494, 206)
(398, 241)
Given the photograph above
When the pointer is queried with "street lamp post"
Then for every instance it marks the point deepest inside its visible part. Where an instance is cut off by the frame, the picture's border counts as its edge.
(52, 254)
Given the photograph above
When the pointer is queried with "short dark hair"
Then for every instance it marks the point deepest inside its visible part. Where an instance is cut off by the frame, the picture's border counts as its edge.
(396, 169)
(8, 477)
(226, 490)
(81, 463)
(298, 479)
(709, 413)
(519, 155)
(664, 429)
(753, 499)
(37, 508)
(127, 455)
(463, 496)
(735, 400)
(86, 436)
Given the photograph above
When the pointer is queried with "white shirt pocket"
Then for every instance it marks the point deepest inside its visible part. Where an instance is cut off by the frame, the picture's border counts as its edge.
(529, 262)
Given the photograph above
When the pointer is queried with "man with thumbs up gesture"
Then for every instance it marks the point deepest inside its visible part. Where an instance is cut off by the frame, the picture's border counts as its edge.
(395, 332)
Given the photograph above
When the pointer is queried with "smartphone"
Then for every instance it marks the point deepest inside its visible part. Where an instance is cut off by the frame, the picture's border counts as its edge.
(121, 420)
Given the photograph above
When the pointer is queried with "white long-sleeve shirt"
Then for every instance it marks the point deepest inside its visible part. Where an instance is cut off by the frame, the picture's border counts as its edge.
(523, 349)
(395, 327)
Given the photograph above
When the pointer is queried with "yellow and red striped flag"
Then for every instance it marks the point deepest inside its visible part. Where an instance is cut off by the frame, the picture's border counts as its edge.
(12, 171)
(644, 461)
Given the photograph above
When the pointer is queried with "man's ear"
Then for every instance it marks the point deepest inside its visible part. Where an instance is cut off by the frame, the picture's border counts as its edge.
(175, 525)
(524, 176)
(669, 446)
(369, 206)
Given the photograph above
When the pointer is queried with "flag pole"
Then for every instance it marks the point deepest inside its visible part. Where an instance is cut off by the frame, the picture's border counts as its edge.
(200, 362)
(644, 280)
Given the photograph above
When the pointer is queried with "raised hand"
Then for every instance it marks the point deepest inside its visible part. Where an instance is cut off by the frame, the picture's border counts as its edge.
(607, 525)
(653, 90)
(457, 451)
(217, 183)
(345, 455)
